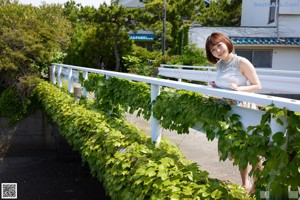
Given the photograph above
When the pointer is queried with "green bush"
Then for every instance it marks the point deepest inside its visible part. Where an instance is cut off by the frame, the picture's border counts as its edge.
(140, 61)
(124, 159)
(180, 110)
(15, 101)
(10, 103)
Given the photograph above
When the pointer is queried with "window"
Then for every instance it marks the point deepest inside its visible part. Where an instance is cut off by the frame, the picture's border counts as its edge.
(272, 12)
(259, 58)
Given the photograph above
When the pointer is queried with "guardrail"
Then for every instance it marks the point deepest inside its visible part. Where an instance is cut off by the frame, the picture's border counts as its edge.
(273, 81)
(248, 116)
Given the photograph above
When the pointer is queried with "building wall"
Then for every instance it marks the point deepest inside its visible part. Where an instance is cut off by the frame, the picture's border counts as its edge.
(256, 13)
(286, 59)
(283, 58)
(289, 7)
(289, 25)
(131, 3)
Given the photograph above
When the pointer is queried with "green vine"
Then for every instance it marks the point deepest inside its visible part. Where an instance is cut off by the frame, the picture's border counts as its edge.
(124, 158)
(119, 95)
(181, 110)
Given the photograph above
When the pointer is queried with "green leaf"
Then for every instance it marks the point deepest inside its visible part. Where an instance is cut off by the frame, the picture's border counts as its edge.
(216, 194)
(162, 175)
(150, 172)
(190, 176)
(279, 138)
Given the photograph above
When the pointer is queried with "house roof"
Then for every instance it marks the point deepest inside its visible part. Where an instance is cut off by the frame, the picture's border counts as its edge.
(243, 36)
(264, 41)
(131, 3)
(141, 36)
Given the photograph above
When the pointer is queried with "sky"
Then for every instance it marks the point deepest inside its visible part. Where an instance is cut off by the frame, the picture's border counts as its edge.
(94, 3)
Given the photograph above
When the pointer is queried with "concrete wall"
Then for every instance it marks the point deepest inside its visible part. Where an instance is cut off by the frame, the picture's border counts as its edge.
(283, 58)
(255, 13)
(286, 59)
(289, 25)
(289, 7)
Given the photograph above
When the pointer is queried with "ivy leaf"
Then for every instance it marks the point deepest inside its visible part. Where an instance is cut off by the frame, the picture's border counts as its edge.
(279, 138)
(190, 176)
(162, 175)
(216, 194)
(174, 196)
(294, 120)
(150, 172)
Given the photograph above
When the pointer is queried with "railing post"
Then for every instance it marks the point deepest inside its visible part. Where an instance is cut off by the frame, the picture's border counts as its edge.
(155, 128)
(53, 78)
(70, 88)
(77, 92)
(59, 76)
(208, 70)
(179, 79)
(85, 76)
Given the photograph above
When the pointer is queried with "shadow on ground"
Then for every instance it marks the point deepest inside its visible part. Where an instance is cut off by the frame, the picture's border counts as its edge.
(47, 175)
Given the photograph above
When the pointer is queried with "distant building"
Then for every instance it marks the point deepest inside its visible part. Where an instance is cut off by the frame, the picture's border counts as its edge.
(130, 3)
(269, 35)
(143, 38)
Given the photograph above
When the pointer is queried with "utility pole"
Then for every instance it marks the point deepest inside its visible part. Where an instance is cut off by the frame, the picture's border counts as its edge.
(164, 29)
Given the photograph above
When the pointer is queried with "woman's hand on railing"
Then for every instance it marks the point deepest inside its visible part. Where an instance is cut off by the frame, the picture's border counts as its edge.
(213, 84)
(233, 86)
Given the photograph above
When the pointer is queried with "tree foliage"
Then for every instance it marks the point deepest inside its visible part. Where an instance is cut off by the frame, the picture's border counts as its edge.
(221, 13)
(179, 13)
(30, 39)
(102, 38)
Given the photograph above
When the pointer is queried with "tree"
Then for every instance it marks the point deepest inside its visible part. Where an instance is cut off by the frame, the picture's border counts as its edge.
(179, 14)
(30, 39)
(102, 38)
(221, 13)
(4, 2)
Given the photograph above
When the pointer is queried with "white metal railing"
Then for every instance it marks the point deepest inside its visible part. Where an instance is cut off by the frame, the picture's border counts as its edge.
(248, 116)
(273, 81)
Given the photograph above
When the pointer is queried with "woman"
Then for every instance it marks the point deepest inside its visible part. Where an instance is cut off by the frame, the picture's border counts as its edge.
(234, 73)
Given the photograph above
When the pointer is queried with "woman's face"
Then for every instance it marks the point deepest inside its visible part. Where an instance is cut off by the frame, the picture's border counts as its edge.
(220, 51)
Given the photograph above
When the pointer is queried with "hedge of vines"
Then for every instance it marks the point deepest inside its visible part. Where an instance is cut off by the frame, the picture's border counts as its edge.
(124, 159)
(179, 110)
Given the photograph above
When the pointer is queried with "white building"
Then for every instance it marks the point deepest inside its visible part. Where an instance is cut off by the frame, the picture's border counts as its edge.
(269, 35)
(129, 3)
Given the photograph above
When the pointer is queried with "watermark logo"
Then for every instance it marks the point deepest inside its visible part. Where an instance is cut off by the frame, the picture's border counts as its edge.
(8, 190)
(288, 4)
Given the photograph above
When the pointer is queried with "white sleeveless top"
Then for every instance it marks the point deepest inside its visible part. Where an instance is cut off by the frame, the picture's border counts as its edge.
(229, 72)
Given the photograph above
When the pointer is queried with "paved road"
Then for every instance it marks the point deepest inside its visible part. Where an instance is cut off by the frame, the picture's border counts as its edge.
(197, 148)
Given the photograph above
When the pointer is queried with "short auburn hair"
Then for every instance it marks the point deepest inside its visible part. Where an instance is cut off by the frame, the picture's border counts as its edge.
(214, 39)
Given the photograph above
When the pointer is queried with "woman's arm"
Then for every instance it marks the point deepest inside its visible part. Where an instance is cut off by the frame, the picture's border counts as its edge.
(248, 70)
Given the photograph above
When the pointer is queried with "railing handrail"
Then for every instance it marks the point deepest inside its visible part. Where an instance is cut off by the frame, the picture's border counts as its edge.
(264, 100)
(287, 83)
(187, 66)
(258, 70)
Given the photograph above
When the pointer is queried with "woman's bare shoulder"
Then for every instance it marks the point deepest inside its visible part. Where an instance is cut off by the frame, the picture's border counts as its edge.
(244, 61)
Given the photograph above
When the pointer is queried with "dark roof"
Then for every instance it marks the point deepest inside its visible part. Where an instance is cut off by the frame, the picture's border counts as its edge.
(264, 41)
(142, 37)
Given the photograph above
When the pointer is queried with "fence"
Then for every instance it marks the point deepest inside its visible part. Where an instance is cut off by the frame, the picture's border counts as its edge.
(248, 116)
(273, 81)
